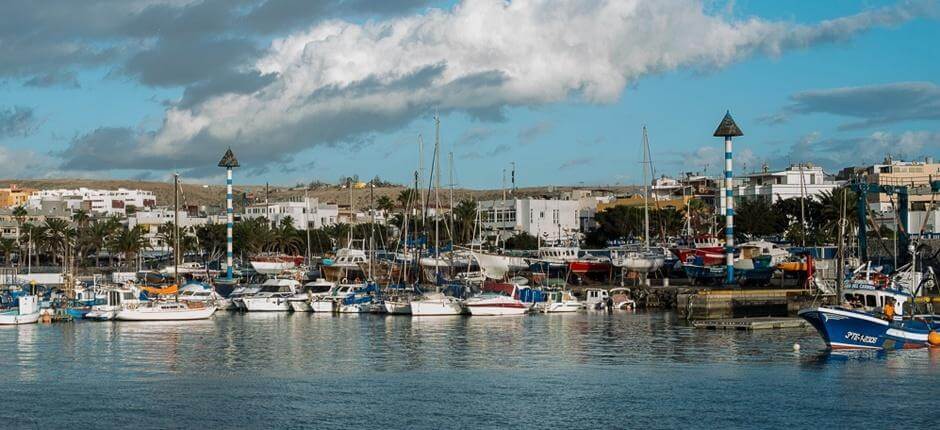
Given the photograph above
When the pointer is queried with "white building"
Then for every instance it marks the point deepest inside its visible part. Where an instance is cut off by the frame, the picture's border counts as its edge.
(152, 220)
(587, 205)
(305, 212)
(797, 181)
(549, 219)
(105, 202)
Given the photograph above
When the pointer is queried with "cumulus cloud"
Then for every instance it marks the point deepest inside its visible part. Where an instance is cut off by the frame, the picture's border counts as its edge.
(871, 105)
(838, 152)
(341, 81)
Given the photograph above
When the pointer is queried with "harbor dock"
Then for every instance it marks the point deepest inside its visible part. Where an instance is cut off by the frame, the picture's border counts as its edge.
(755, 323)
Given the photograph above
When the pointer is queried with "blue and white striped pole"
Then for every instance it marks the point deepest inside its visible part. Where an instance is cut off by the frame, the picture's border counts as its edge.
(728, 129)
(729, 213)
(229, 162)
(229, 214)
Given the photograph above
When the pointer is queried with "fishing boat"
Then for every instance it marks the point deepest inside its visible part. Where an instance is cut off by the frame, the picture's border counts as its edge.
(436, 304)
(595, 298)
(561, 301)
(311, 292)
(590, 264)
(26, 312)
(347, 265)
(554, 258)
(275, 264)
(166, 311)
(497, 300)
(860, 325)
(273, 296)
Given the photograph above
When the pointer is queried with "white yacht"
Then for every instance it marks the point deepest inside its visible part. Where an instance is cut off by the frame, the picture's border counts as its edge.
(201, 293)
(436, 304)
(347, 266)
(311, 292)
(561, 301)
(240, 293)
(497, 303)
(273, 296)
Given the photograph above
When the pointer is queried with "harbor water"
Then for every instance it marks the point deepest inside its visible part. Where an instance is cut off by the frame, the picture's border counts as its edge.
(586, 370)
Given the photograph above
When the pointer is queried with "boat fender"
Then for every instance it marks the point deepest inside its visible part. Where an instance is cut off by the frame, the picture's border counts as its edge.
(933, 338)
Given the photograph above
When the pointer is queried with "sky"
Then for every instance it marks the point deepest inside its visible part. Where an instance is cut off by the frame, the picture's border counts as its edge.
(305, 91)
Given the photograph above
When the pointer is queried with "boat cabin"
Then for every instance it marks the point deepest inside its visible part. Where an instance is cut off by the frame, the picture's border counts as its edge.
(868, 298)
(595, 295)
(558, 253)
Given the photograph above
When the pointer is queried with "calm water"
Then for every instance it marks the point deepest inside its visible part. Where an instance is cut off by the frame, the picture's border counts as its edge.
(581, 371)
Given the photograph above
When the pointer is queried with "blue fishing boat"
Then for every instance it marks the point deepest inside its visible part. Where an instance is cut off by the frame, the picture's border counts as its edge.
(862, 323)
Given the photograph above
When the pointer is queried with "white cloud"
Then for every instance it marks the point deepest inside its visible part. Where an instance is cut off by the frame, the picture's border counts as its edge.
(341, 81)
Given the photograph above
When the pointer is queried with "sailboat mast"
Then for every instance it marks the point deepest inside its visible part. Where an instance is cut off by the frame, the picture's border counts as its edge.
(176, 227)
(437, 189)
(646, 190)
(420, 174)
(450, 163)
(307, 223)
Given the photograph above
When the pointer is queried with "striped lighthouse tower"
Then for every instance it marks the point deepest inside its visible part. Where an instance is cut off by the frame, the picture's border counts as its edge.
(229, 162)
(728, 129)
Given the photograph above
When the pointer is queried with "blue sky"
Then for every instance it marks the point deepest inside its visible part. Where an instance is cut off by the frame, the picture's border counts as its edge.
(302, 93)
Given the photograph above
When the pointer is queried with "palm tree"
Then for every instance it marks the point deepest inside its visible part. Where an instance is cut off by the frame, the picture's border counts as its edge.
(20, 214)
(8, 247)
(464, 213)
(211, 240)
(34, 238)
(81, 218)
(59, 235)
(384, 203)
(129, 242)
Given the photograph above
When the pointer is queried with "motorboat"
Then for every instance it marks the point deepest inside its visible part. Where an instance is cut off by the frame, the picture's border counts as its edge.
(561, 301)
(757, 248)
(26, 312)
(400, 305)
(311, 291)
(621, 298)
(275, 264)
(273, 296)
(436, 304)
(503, 299)
(202, 293)
(358, 299)
(595, 298)
(238, 295)
(115, 299)
(166, 311)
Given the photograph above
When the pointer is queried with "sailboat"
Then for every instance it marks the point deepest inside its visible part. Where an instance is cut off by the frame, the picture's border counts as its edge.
(168, 310)
(641, 259)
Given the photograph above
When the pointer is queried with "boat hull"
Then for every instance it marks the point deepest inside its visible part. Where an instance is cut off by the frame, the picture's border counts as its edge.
(496, 307)
(300, 306)
(15, 318)
(397, 308)
(562, 307)
(146, 315)
(582, 267)
(266, 304)
(846, 329)
(436, 307)
(324, 306)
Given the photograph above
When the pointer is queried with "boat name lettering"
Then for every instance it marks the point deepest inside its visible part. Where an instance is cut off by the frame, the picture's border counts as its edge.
(860, 337)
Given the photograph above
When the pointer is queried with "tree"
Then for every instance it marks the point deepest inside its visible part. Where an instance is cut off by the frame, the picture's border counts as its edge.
(129, 242)
(407, 197)
(757, 218)
(522, 241)
(8, 247)
(384, 203)
(464, 215)
(59, 235)
(81, 218)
